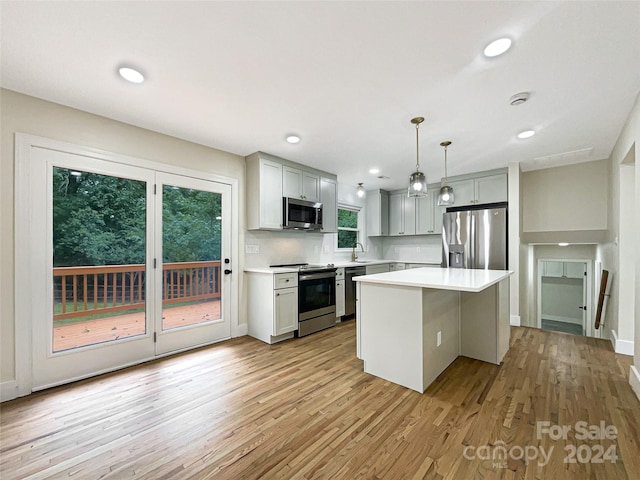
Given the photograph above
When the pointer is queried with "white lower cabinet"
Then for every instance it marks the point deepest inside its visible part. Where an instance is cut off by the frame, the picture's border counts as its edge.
(272, 313)
(339, 298)
(380, 268)
(286, 310)
(395, 266)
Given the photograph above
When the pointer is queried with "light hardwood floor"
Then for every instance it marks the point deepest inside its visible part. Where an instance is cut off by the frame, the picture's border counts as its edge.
(304, 409)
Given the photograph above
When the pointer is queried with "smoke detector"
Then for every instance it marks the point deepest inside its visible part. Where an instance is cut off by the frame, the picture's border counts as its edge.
(519, 98)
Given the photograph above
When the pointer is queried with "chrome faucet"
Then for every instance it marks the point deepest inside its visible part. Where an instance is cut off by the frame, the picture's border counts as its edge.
(354, 257)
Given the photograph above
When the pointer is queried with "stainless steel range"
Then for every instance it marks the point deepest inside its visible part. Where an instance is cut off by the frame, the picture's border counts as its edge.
(316, 297)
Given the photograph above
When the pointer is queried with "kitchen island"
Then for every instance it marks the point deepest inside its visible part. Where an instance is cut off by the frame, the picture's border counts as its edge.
(412, 324)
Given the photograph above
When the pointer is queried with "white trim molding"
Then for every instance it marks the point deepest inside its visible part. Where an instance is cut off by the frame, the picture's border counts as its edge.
(514, 320)
(8, 390)
(634, 380)
(624, 347)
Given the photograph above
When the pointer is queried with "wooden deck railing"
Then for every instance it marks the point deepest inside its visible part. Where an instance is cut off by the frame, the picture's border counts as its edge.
(93, 290)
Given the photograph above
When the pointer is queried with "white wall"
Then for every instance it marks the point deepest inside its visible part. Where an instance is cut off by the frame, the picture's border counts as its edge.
(620, 254)
(24, 114)
(567, 203)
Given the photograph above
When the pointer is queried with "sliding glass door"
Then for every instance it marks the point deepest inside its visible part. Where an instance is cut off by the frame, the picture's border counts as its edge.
(128, 264)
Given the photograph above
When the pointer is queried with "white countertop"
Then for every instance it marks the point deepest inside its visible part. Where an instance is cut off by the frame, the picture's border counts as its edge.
(362, 263)
(270, 270)
(464, 280)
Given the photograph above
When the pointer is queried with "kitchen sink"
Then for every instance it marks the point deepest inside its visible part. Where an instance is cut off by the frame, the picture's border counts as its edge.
(365, 261)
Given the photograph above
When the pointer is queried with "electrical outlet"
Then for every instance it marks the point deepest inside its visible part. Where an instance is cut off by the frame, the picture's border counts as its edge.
(326, 249)
(438, 339)
(251, 248)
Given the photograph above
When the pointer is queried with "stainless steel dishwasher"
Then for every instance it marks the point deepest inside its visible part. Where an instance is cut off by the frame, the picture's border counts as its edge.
(350, 289)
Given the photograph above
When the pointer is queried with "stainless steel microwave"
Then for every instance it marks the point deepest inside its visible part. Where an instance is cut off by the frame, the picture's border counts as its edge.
(301, 214)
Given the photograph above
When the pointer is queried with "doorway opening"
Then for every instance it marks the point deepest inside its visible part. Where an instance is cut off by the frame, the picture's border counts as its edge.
(564, 296)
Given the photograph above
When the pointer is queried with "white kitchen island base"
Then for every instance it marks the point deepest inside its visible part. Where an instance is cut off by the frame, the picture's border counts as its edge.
(402, 316)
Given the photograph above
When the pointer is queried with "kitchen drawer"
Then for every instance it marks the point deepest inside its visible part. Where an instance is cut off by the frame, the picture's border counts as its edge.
(285, 280)
(340, 274)
(381, 268)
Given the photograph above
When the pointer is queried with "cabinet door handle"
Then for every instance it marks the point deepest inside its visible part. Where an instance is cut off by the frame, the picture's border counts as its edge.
(277, 294)
(227, 271)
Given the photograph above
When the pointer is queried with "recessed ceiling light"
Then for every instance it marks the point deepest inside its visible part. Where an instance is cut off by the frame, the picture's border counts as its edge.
(131, 75)
(526, 134)
(293, 138)
(373, 171)
(497, 47)
(563, 244)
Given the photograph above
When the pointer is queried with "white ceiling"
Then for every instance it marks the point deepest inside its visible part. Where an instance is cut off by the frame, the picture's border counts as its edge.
(346, 76)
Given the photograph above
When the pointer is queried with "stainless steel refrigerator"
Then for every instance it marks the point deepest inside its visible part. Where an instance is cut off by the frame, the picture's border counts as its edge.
(475, 237)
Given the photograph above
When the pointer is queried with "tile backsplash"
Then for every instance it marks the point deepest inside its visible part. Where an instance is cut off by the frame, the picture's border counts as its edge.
(264, 248)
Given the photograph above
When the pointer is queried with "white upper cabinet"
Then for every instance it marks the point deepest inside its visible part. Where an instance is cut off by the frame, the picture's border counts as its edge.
(297, 183)
(480, 190)
(423, 216)
(264, 193)
(329, 199)
(558, 268)
(310, 186)
(428, 213)
(463, 192)
(377, 213)
(491, 189)
(402, 214)
(270, 178)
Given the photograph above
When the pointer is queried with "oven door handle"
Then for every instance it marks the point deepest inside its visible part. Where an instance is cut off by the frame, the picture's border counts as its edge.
(316, 276)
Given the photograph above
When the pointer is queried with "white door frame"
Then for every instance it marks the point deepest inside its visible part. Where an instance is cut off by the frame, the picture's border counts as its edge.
(587, 288)
(23, 316)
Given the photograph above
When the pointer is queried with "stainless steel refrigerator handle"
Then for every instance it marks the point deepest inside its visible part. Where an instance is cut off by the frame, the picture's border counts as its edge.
(471, 260)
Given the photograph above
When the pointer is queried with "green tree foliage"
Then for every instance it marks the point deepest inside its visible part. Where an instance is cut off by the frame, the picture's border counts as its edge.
(347, 219)
(97, 219)
(101, 220)
(191, 225)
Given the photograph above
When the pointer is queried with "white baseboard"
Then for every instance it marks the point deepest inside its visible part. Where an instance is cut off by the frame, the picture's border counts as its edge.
(625, 347)
(514, 320)
(241, 330)
(559, 318)
(634, 380)
(8, 390)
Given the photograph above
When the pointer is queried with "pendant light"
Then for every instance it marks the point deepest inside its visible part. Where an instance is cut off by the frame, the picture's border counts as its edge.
(360, 190)
(445, 197)
(417, 180)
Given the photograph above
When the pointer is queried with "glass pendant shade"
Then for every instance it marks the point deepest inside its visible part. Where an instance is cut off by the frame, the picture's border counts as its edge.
(417, 180)
(417, 184)
(445, 197)
(360, 191)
